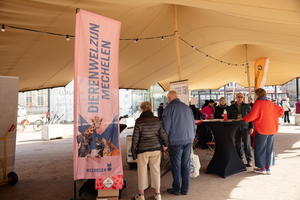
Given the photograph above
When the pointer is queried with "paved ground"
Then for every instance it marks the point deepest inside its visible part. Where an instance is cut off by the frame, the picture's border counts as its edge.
(45, 171)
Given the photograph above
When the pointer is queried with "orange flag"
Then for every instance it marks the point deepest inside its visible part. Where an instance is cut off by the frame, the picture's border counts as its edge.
(261, 68)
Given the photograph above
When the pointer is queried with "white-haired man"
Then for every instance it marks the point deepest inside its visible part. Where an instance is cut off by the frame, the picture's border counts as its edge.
(179, 124)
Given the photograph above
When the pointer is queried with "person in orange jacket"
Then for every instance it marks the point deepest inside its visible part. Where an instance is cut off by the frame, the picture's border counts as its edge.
(264, 115)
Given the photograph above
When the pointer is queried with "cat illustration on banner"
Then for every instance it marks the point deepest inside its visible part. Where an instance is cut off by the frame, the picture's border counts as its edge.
(86, 138)
(96, 153)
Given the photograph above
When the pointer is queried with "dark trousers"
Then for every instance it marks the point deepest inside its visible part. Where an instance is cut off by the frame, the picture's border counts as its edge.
(204, 135)
(243, 134)
(286, 116)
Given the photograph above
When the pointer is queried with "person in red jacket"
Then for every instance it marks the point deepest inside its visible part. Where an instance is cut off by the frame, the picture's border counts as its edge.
(264, 115)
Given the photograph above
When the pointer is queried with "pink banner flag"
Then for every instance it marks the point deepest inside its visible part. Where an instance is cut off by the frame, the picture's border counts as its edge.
(97, 149)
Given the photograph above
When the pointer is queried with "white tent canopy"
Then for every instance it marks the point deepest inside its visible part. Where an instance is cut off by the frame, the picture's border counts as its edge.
(220, 29)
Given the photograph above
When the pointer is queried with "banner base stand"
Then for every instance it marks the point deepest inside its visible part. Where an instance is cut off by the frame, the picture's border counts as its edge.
(108, 198)
(108, 194)
(75, 192)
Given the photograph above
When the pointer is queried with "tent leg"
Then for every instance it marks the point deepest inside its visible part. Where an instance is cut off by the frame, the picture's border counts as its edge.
(177, 43)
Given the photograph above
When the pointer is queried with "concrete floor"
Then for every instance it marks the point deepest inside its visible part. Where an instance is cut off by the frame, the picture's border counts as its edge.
(45, 171)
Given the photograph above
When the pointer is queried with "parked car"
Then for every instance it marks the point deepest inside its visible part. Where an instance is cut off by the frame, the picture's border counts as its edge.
(21, 111)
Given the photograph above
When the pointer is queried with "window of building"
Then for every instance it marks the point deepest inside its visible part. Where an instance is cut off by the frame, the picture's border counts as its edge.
(28, 98)
(40, 98)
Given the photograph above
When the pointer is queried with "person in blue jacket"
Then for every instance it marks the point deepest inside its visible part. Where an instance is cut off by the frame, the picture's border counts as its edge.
(179, 124)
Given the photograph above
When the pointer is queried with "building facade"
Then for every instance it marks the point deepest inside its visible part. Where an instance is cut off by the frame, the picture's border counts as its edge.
(60, 101)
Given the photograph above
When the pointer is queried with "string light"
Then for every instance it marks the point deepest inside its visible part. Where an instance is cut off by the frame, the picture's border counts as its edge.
(136, 40)
(3, 28)
(206, 55)
(59, 34)
(149, 38)
(37, 31)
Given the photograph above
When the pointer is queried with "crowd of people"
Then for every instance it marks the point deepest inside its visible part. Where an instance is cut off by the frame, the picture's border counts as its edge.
(174, 131)
(175, 134)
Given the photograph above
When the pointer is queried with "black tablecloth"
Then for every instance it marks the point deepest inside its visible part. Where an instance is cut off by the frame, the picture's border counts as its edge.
(225, 161)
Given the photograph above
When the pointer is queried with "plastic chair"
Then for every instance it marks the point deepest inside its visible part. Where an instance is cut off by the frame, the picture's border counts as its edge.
(195, 142)
(211, 146)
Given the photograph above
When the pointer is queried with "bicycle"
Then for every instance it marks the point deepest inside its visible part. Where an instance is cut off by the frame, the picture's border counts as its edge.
(38, 124)
(25, 122)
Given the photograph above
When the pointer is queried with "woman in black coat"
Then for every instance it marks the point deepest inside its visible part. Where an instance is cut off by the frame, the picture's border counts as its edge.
(146, 147)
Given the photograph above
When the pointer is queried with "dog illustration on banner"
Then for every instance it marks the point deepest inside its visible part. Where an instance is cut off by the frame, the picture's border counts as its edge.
(86, 138)
(114, 150)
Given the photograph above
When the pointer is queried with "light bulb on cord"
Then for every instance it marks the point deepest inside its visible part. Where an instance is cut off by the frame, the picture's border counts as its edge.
(67, 38)
(136, 40)
(162, 37)
(206, 56)
(3, 28)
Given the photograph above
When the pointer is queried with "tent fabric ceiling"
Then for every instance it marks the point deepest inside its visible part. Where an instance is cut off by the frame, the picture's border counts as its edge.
(222, 29)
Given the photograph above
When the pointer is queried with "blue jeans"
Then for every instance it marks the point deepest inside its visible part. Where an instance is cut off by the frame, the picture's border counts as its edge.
(264, 150)
(180, 160)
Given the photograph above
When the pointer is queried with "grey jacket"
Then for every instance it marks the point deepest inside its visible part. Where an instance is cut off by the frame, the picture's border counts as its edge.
(179, 123)
(245, 109)
(147, 135)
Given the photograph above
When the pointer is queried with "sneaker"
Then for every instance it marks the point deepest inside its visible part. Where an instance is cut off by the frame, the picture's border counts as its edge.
(269, 171)
(139, 197)
(157, 196)
(260, 170)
